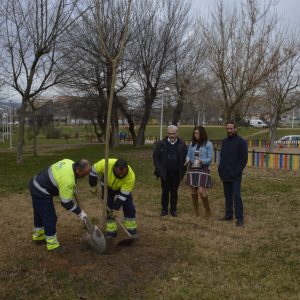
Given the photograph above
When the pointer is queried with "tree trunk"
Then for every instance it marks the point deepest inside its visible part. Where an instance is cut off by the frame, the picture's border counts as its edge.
(229, 114)
(178, 110)
(129, 120)
(21, 132)
(107, 135)
(130, 123)
(114, 139)
(140, 140)
(34, 133)
(273, 131)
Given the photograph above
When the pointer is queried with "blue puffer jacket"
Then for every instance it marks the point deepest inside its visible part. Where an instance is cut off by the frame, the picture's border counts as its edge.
(205, 153)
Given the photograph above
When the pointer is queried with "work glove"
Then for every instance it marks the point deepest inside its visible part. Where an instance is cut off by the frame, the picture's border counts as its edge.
(117, 202)
(82, 215)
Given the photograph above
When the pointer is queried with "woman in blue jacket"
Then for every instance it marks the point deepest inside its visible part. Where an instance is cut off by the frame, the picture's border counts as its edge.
(199, 158)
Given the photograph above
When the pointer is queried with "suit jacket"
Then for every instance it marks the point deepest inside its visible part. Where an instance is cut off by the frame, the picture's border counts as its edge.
(160, 158)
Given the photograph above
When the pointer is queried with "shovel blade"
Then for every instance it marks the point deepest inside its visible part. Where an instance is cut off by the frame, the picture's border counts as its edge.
(96, 240)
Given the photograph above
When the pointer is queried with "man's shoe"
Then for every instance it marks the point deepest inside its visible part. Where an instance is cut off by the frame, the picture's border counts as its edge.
(239, 223)
(163, 213)
(226, 218)
(173, 214)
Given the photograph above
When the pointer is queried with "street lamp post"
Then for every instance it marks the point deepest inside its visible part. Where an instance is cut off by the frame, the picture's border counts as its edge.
(162, 111)
(10, 128)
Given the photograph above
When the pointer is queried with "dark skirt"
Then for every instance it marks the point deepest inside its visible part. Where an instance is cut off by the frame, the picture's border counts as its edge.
(199, 177)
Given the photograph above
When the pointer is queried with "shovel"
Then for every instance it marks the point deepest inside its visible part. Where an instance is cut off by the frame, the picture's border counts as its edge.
(125, 242)
(94, 235)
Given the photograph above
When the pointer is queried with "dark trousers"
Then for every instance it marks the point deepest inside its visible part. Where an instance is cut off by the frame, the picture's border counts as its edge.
(43, 210)
(128, 206)
(169, 191)
(232, 192)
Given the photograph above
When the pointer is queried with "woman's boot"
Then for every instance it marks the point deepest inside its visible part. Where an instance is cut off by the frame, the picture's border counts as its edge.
(195, 204)
(206, 206)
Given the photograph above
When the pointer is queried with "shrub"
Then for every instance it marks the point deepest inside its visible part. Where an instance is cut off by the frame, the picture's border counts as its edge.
(53, 133)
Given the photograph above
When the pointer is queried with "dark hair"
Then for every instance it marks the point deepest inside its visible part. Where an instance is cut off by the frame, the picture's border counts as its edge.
(81, 164)
(203, 136)
(231, 122)
(121, 164)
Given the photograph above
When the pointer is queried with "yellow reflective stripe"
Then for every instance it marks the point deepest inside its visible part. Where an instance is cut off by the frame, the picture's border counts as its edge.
(111, 226)
(130, 224)
(52, 242)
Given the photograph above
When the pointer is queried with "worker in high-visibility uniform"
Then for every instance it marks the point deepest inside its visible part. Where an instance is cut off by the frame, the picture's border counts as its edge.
(57, 180)
(121, 179)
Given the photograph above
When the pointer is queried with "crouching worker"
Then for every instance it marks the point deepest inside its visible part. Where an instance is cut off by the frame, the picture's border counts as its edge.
(120, 183)
(58, 179)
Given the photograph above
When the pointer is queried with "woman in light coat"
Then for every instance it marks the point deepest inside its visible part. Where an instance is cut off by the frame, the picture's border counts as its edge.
(198, 159)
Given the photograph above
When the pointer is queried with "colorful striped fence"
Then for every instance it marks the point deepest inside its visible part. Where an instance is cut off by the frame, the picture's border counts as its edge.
(263, 144)
(279, 161)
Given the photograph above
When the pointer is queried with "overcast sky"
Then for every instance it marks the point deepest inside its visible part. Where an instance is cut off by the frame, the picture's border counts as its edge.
(288, 9)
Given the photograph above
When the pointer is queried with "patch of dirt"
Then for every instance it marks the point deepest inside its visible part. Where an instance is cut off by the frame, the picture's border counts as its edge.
(120, 265)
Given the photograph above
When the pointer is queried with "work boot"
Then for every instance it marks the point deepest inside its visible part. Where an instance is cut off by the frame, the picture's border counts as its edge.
(52, 242)
(38, 236)
(206, 206)
(195, 204)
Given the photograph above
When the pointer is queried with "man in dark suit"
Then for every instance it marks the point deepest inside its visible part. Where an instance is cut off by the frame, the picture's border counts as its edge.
(169, 158)
(233, 160)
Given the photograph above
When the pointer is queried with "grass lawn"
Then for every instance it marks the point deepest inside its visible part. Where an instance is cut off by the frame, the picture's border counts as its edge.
(213, 132)
(78, 134)
(176, 258)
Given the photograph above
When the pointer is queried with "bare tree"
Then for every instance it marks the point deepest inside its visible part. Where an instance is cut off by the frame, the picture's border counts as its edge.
(33, 33)
(188, 58)
(158, 23)
(113, 57)
(41, 116)
(91, 68)
(282, 88)
(244, 46)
